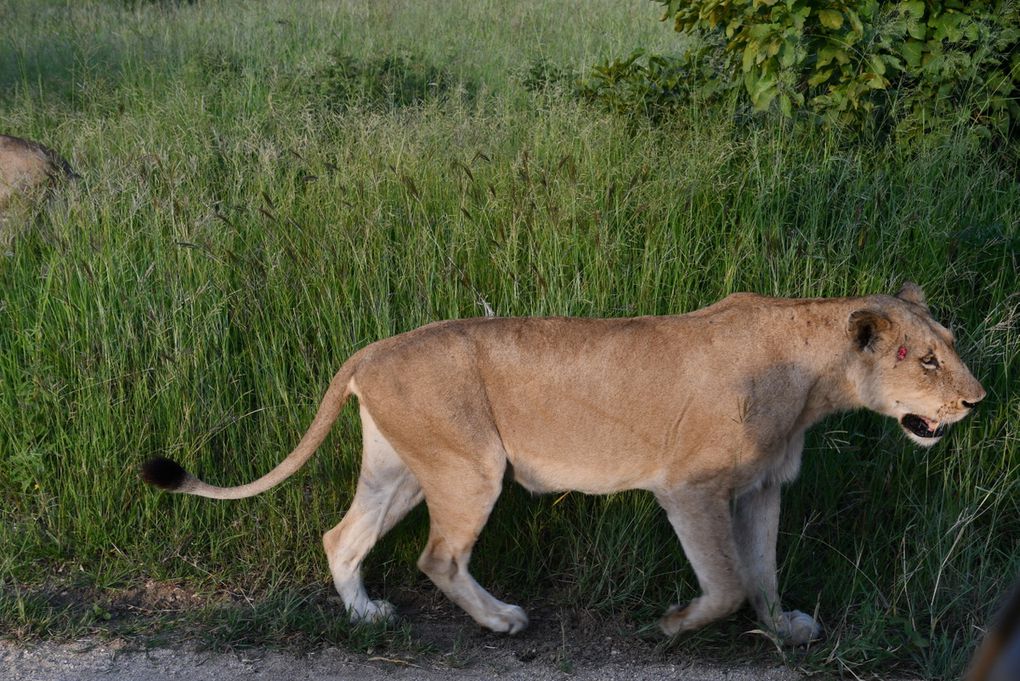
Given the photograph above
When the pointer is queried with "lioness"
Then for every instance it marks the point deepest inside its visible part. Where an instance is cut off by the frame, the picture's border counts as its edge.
(706, 410)
(26, 166)
(27, 171)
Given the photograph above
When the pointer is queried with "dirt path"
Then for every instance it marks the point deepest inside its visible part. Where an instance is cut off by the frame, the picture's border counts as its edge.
(446, 644)
(92, 660)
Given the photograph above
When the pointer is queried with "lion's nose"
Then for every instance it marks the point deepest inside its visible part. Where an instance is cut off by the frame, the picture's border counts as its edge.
(972, 402)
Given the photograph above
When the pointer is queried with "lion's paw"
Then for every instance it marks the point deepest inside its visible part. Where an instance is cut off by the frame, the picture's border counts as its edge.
(509, 619)
(373, 611)
(675, 620)
(797, 628)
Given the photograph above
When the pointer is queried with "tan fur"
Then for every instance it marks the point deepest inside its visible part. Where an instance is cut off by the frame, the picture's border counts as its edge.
(705, 410)
(27, 169)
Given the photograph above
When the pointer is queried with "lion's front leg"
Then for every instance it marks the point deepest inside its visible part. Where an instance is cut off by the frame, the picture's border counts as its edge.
(702, 520)
(756, 526)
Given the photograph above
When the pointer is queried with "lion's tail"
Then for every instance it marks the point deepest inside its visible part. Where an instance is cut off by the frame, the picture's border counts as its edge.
(169, 475)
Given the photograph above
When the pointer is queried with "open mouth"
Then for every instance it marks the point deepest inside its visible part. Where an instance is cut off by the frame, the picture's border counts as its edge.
(922, 427)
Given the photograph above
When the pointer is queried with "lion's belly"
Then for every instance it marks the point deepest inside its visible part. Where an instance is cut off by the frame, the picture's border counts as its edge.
(557, 476)
(564, 440)
(595, 457)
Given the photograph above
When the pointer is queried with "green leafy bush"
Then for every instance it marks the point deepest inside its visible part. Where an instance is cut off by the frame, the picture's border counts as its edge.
(385, 82)
(543, 75)
(653, 85)
(849, 60)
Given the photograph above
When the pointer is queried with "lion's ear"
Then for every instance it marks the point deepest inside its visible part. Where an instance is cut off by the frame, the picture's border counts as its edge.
(865, 327)
(912, 293)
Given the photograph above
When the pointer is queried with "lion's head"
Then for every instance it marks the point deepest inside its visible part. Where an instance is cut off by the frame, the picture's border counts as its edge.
(906, 366)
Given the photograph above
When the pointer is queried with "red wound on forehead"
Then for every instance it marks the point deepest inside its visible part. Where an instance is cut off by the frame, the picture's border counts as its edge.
(901, 353)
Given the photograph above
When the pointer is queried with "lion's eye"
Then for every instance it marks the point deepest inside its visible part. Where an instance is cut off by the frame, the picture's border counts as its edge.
(930, 362)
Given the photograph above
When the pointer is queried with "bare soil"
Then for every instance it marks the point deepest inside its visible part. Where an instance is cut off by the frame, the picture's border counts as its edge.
(447, 644)
(90, 660)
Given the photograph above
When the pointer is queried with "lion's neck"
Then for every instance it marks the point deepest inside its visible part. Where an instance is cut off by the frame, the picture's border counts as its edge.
(831, 394)
(832, 391)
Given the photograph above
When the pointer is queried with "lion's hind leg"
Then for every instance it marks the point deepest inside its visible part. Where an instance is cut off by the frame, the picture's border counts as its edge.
(460, 496)
(387, 491)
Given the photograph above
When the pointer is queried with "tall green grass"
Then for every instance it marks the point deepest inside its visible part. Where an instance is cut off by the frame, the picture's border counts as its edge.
(234, 240)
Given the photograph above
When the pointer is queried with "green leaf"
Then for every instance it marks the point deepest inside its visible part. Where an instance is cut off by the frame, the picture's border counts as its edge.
(912, 8)
(750, 53)
(855, 22)
(819, 77)
(798, 16)
(762, 31)
(916, 29)
(785, 105)
(830, 18)
(788, 55)
(911, 51)
(761, 88)
(831, 52)
(947, 26)
(877, 65)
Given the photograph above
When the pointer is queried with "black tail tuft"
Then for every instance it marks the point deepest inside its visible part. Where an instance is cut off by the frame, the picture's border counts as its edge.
(163, 473)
